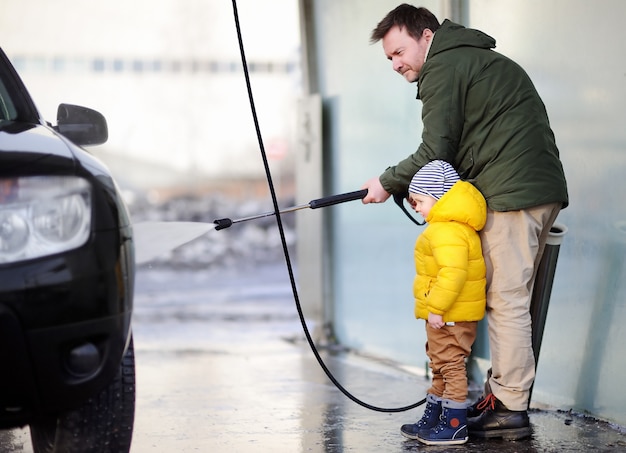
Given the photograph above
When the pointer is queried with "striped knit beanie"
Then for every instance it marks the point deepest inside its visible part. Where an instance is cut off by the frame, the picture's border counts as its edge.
(434, 179)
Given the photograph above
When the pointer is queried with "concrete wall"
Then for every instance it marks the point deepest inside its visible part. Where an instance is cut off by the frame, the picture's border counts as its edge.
(573, 51)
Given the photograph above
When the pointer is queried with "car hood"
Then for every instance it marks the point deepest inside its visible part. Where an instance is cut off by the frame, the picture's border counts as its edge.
(27, 148)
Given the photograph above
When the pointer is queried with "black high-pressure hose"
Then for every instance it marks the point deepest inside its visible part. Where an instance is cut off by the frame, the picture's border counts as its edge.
(284, 242)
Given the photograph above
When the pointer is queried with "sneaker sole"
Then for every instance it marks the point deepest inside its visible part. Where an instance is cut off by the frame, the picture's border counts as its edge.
(505, 434)
(409, 436)
(443, 442)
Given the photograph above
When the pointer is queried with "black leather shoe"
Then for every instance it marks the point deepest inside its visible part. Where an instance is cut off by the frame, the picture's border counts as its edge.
(498, 421)
(478, 407)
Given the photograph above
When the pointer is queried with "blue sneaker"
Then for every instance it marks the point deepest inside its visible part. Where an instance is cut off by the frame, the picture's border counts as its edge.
(451, 429)
(430, 419)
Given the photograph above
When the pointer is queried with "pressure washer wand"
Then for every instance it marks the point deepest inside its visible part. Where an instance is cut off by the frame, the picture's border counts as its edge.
(313, 204)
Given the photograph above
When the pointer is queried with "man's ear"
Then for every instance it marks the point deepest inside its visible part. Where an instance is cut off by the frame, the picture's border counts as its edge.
(427, 34)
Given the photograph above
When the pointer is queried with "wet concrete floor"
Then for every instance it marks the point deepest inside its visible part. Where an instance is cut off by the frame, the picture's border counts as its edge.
(222, 367)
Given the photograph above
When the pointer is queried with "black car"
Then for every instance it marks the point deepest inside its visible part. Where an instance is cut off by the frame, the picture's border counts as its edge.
(67, 273)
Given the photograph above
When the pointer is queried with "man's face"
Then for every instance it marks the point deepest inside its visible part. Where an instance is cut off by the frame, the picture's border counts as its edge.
(405, 53)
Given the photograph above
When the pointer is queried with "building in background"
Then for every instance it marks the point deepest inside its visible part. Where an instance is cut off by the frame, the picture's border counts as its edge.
(168, 77)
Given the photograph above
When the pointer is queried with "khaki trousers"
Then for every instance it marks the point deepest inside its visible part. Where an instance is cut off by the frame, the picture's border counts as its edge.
(447, 349)
(513, 243)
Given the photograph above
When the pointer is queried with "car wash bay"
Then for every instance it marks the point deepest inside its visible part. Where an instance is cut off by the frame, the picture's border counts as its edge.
(223, 366)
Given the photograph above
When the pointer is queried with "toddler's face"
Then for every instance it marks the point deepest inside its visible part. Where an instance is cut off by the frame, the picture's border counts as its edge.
(422, 204)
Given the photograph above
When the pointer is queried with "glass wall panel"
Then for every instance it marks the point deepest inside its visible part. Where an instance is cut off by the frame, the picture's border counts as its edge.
(574, 52)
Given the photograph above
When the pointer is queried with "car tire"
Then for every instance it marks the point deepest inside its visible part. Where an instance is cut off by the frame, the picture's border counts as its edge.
(104, 423)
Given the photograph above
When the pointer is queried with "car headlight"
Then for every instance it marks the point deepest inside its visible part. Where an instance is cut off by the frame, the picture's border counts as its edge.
(43, 215)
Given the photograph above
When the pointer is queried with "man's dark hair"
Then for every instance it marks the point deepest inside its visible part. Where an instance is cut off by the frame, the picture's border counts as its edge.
(414, 20)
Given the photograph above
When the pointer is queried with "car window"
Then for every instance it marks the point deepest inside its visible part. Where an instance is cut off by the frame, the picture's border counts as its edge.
(7, 108)
(15, 102)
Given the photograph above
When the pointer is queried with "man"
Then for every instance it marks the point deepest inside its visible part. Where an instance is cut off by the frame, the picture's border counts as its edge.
(482, 114)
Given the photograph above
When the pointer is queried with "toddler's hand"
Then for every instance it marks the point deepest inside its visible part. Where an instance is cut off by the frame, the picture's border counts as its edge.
(435, 321)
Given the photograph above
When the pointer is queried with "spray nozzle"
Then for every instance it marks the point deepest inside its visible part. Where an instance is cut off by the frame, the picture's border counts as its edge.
(220, 224)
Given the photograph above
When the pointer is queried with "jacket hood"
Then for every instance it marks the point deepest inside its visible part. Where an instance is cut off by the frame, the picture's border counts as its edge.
(458, 36)
(463, 203)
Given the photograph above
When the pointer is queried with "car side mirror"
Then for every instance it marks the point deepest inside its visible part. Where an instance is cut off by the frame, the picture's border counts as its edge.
(81, 125)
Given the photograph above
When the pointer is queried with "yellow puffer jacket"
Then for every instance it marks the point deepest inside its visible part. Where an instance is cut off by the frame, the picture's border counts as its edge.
(450, 268)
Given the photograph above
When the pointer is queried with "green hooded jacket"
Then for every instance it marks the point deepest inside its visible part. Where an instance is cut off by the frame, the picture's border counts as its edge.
(482, 113)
